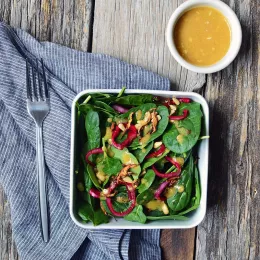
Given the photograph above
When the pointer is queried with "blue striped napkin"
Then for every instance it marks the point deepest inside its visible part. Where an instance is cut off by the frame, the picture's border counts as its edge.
(69, 71)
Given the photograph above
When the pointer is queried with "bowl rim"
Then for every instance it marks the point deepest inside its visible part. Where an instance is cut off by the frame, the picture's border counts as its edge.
(159, 223)
(235, 28)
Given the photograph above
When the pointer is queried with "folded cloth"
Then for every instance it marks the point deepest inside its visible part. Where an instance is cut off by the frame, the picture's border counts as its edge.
(68, 72)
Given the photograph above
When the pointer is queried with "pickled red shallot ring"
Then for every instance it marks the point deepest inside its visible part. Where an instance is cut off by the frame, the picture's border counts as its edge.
(131, 196)
(93, 151)
(119, 214)
(120, 108)
(181, 117)
(94, 193)
(170, 174)
(130, 192)
(131, 135)
(159, 152)
(160, 189)
(184, 100)
(176, 164)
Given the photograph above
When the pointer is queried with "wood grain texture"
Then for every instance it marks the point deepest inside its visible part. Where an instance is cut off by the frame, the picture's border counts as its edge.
(61, 21)
(231, 227)
(134, 30)
(7, 247)
(178, 244)
(65, 22)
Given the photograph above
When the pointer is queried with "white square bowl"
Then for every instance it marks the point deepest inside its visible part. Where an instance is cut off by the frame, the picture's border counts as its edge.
(195, 217)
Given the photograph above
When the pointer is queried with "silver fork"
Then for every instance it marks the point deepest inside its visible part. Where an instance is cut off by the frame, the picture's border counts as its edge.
(38, 106)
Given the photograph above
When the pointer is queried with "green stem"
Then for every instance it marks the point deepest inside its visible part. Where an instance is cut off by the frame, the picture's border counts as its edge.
(121, 92)
(87, 100)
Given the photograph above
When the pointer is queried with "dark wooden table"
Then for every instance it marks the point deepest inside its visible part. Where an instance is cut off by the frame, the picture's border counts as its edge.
(133, 30)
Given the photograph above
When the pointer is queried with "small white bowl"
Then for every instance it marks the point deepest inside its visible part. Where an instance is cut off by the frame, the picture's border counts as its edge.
(235, 27)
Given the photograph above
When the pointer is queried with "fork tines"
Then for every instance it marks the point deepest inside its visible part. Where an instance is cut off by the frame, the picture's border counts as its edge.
(36, 89)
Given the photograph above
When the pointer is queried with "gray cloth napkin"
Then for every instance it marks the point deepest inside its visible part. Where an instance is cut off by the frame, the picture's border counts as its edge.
(68, 71)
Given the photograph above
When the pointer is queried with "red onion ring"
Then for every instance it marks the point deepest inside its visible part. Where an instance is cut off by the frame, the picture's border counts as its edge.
(93, 151)
(120, 108)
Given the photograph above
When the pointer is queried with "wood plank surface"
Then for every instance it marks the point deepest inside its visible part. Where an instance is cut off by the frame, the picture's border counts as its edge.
(134, 30)
(231, 227)
(8, 249)
(61, 21)
(65, 22)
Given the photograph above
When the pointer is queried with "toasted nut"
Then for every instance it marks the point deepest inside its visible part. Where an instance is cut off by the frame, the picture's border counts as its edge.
(145, 121)
(165, 209)
(176, 101)
(130, 118)
(154, 121)
(143, 173)
(121, 126)
(138, 127)
(124, 172)
(105, 191)
(157, 144)
(159, 117)
(173, 109)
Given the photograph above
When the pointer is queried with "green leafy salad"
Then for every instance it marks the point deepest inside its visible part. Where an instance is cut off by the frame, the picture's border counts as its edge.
(136, 157)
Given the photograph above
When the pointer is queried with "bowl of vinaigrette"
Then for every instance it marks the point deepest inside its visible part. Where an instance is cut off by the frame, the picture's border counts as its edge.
(204, 36)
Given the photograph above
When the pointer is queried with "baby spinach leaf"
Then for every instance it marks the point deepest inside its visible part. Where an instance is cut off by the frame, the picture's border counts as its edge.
(149, 162)
(141, 153)
(87, 213)
(162, 125)
(195, 201)
(92, 129)
(145, 197)
(87, 180)
(103, 105)
(84, 108)
(137, 215)
(100, 217)
(135, 100)
(176, 217)
(180, 200)
(110, 166)
(146, 181)
(127, 158)
(104, 97)
(93, 176)
(143, 108)
(164, 113)
(184, 134)
(155, 213)
(120, 202)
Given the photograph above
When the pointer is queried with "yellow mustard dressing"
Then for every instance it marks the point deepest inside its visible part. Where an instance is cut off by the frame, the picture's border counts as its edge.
(157, 205)
(202, 36)
(144, 140)
(126, 159)
(138, 114)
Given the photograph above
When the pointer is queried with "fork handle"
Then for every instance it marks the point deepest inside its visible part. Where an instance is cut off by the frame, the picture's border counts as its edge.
(42, 185)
